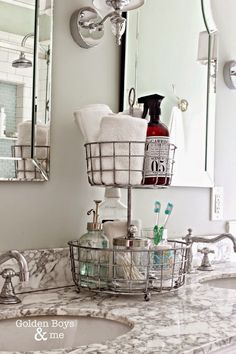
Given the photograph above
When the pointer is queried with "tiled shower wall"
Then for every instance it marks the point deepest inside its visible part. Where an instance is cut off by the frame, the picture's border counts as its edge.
(8, 101)
(7, 167)
(22, 77)
(16, 95)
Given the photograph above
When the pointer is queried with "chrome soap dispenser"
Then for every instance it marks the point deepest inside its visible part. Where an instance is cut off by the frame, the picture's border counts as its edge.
(94, 263)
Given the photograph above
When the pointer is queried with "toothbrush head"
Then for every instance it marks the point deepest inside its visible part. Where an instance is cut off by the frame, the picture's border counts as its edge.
(169, 209)
(157, 207)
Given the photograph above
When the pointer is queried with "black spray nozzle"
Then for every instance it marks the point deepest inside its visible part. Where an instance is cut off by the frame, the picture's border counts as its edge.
(151, 103)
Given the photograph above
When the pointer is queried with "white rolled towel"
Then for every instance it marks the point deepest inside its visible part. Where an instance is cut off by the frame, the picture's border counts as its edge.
(24, 133)
(112, 162)
(89, 119)
(26, 169)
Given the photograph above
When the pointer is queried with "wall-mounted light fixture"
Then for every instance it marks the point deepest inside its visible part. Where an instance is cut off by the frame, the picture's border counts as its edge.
(230, 74)
(87, 25)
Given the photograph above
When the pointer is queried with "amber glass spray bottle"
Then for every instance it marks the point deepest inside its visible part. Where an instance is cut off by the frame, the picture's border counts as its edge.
(157, 143)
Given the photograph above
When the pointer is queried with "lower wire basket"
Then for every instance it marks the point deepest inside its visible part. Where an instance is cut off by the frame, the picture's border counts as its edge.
(129, 272)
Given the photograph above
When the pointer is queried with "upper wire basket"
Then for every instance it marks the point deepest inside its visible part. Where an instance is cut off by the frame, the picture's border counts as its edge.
(128, 163)
(129, 271)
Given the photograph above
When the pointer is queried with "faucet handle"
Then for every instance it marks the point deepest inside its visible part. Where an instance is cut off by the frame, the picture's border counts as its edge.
(7, 295)
(8, 273)
(206, 265)
(188, 237)
(205, 250)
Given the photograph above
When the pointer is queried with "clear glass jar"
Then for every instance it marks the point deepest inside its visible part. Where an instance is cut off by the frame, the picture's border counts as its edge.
(162, 263)
(130, 264)
(94, 260)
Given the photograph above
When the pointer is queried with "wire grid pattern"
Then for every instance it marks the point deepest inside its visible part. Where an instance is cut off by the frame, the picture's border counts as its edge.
(129, 271)
(123, 164)
(24, 168)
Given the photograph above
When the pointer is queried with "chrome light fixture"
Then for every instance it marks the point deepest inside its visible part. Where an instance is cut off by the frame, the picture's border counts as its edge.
(87, 25)
(230, 74)
(208, 51)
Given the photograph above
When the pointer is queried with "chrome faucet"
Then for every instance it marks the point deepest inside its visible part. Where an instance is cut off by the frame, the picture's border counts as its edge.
(7, 295)
(191, 239)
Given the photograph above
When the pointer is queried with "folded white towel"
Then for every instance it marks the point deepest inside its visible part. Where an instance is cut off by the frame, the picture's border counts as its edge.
(111, 162)
(176, 128)
(177, 138)
(89, 119)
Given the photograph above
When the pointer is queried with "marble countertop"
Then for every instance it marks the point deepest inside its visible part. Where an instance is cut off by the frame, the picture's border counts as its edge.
(194, 319)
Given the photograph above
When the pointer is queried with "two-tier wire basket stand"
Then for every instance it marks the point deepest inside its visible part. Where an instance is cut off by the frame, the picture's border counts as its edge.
(138, 268)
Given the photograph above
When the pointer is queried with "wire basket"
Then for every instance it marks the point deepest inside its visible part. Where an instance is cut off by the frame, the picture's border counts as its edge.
(24, 168)
(128, 163)
(126, 271)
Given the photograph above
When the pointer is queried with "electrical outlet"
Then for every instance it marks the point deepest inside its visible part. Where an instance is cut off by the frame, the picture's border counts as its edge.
(217, 203)
(230, 227)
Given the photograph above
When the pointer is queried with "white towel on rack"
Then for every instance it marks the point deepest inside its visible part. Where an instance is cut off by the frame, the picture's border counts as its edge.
(112, 162)
(89, 119)
(176, 129)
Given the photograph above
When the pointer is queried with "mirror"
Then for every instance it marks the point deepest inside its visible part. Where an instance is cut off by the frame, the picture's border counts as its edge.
(171, 49)
(25, 89)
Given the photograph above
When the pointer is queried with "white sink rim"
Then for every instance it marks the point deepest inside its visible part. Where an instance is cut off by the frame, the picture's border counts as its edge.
(76, 313)
(209, 281)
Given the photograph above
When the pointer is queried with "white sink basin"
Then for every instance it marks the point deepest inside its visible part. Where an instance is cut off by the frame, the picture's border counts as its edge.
(224, 283)
(57, 332)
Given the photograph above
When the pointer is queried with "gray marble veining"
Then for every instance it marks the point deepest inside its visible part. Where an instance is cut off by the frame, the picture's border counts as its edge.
(48, 268)
(194, 319)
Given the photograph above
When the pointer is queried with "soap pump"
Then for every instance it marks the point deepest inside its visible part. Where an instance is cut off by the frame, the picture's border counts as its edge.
(157, 142)
(94, 237)
(94, 264)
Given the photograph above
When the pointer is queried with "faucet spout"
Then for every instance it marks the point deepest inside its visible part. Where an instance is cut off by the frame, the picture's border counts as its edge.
(214, 239)
(24, 271)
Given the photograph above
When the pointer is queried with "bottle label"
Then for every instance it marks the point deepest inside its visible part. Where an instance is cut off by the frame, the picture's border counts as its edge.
(157, 162)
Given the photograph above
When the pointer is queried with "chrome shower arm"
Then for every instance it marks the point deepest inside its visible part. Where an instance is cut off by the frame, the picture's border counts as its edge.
(24, 40)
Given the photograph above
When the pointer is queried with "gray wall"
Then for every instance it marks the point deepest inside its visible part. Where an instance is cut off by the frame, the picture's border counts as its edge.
(49, 214)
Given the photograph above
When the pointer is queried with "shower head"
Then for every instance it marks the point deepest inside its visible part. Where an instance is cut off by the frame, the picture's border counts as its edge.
(22, 62)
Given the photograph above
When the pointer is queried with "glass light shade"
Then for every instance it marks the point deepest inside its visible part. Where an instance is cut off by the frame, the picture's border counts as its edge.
(102, 5)
(118, 26)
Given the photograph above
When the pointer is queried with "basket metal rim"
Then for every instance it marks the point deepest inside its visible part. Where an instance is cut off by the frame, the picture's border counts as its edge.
(184, 246)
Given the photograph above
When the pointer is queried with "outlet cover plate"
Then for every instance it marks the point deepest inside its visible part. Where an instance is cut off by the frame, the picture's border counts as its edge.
(230, 227)
(217, 203)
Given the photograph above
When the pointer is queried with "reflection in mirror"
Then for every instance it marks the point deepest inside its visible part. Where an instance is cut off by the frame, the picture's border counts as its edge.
(171, 49)
(25, 89)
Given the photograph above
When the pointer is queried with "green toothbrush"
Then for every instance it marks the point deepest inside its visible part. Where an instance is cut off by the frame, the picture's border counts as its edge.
(158, 232)
(168, 212)
(157, 210)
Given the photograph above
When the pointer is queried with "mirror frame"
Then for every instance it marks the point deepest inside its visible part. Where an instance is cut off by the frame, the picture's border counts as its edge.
(33, 157)
(205, 178)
